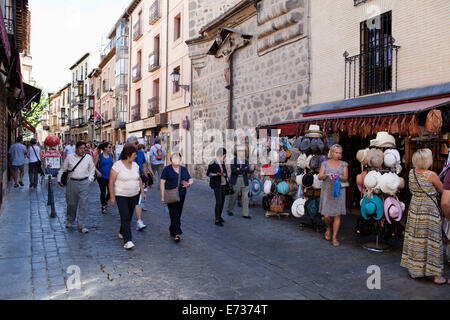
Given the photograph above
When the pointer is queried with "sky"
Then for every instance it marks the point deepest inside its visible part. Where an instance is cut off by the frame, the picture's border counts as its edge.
(63, 31)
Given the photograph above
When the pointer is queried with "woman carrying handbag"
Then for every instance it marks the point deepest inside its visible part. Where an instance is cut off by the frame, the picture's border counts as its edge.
(175, 179)
(218, 181)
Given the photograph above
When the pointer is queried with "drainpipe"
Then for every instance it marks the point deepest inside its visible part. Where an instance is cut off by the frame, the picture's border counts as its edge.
(308, 94)
(230, 94)
(167, 55)
(130, 39)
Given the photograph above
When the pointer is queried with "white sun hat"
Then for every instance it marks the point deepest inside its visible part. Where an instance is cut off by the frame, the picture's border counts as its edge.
(308, 160)
(317, 184)
(389, 183)
(267, 186)
(298, 179)
(301, 161)
(391, 158)
(372, 179)
(298, 207)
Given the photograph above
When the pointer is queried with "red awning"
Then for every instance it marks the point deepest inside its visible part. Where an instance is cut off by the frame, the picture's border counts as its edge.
(289, 128)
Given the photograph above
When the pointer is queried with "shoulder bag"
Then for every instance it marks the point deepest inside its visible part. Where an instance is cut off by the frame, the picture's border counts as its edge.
(40, 171)
(173, 195)
(65, 175)
(435, 203)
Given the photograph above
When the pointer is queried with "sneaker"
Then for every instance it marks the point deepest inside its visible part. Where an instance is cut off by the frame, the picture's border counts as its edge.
(129, 245)
(68, 225)
(140, 225)
(120, 236)
(83, 230)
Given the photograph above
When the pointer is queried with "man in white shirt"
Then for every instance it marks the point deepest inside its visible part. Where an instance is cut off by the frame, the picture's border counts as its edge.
(69, 149)
(77, 189)
(34, 154)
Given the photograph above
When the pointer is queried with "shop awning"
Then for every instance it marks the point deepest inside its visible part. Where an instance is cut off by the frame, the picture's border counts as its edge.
(28, 126)
(32, 94)
(291, 127)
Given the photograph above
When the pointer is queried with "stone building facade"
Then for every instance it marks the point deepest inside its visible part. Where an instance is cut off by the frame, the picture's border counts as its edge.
(269, 70)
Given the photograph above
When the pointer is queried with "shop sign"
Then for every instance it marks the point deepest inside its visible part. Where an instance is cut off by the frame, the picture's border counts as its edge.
(150, 122)
(135, 126)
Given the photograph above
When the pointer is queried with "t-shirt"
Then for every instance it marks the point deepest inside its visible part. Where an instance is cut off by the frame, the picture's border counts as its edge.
(127, 181)
(447, 181)
(140, 160)
(17, 152)
(154, 153)
(105, 165)
(69, 149)
(33, 154)
(171, 178)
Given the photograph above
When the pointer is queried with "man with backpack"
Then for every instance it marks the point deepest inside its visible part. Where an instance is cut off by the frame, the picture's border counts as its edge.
(157, 158)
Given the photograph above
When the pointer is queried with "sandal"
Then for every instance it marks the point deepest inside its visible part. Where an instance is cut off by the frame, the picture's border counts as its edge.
(177, 238)
(441, 283)
(327, 238)
(104, 209)
(336, 243)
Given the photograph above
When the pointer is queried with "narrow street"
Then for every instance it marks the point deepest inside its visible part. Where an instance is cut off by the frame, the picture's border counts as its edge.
(261, 258)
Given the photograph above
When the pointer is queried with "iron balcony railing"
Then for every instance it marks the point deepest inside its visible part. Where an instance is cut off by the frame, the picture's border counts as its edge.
(108, 48)
(8, 17)
(137, 30)
(153, 107)
(155, 12)
(136, 112)
(373, 71)
(153, 61)
(105, 85)
(136, 73)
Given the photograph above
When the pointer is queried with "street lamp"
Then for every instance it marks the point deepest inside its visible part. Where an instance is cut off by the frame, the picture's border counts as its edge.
(176, 80)
(111, 92)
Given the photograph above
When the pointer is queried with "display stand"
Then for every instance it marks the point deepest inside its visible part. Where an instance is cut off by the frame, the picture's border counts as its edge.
(377, 246)
(278, 214)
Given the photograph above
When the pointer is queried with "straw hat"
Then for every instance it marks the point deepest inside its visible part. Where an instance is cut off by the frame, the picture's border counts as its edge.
(305, 145)
(375, 158)
(267, 186)
(389, 183)
(298, 207)
(298, 179)
(317, 145)
(283, 187)
(383, 140)
(391, 158)
(372, 179)
(372, 208)
(392, 209)
(308, 161)
(314, 163)
(301, 161)
(361, 155)
(256, 187)
(313, 132)
(360, 180)
(317, 184)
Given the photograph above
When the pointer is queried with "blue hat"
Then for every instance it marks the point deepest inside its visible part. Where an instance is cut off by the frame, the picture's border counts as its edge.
(317, 145)
(372, 208)
(283, 188)
(312, 208)
(305, 145)
(277, 173)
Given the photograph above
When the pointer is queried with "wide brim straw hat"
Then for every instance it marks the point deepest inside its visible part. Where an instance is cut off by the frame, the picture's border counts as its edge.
(313, 132)
(375, 158)
(389, 183)
(360, 180)
(317, 183)
(301, 161)
(267, 186)
(317, 145)
(361, 155)
(283, 188)
(389, 159)
(314, 163)
(298, 207)
(371, 206)
(371, 180)
(392, 209)
(383, 140)
(298, 179)
(308, 161)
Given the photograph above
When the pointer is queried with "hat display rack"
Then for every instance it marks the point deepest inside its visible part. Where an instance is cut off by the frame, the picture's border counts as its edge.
(279, 182)
(379, 185)
(313, 147)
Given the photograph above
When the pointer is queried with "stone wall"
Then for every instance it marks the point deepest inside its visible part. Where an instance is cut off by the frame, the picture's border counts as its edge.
(270, 74)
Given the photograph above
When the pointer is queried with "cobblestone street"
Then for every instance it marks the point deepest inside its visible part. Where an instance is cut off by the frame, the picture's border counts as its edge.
(261, 258)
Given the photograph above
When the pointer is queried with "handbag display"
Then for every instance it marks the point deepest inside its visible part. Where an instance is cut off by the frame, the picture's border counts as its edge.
(173, 195)
(276, 205)
(65, 175)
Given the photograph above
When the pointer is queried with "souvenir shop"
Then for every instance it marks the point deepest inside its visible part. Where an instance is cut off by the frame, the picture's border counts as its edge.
(378, 148)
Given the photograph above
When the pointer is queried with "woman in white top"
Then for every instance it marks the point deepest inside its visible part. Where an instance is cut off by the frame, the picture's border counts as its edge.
(125, 186)
(34, 154)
